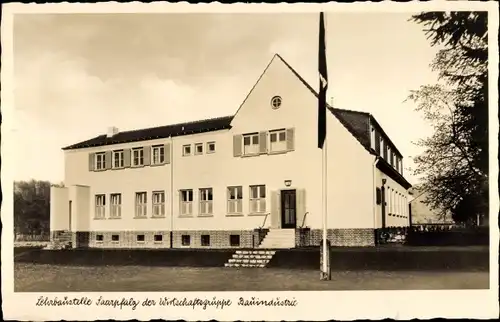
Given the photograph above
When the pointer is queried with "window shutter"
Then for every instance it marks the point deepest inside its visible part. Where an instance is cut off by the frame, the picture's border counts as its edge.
(126, 158)
(290, 139)
(377, 142)
(275, 209)
(237, 141)
(147, 155)
(301, 207)
(263, 142)
(91, 161)
(108, 159)
(166, 147)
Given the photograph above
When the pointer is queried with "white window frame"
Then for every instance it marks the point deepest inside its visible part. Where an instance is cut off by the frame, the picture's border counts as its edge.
(206, 203)
(115, 204)
(257, 202)
(184, 153)
(281, 140)
(138, 161)
(100, 206)
(186, 206)
(252, 138)
(158, 201)
(118, 156)
(208, 147)
(100, 161)
(158, 154)
(141, 204)
(235, 199)
(196, 146)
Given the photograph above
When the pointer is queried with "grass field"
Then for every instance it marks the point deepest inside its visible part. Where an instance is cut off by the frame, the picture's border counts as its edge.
(58, 278)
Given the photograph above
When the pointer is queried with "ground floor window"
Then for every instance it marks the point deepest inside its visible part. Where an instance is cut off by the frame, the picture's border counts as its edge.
(99, 238)
(159, 204)
(116, 205)
(186, 240)
(235, 200)
(186, 202)
(206, 200)
(205, 240)
(258, 199)
(141, 204)
(115, 238)
(234, 240)
(141, 238)
(158, 238)
(100, 206)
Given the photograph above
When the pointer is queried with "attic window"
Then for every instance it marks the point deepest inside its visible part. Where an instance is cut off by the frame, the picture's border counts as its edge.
(276, 102)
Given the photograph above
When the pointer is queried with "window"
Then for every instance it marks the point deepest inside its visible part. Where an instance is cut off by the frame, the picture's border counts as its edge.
(186, 206)
(206, 200)
(140, 204)
(205, 240)
(198, 148)
(257, 199)
(276, 102)
(100, 206)
(138, 157)
(115, 238)
(382, 147)
(277, 141)
(234, 240)
(186, 240)
(140, 238)
(186, 150)
(99, 238)
(251, 144)
(235, 200)
(158, 154)
(118, 159)
(100, 161)
(372, 138)
(210, 147)
(158, 238)
(159, 204)
(116, 205)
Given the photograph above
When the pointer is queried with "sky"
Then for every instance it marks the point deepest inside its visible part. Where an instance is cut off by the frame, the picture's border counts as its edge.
(78, 74)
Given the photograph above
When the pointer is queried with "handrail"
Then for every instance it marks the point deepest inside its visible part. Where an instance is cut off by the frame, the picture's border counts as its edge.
(304, 220)
(265, 218)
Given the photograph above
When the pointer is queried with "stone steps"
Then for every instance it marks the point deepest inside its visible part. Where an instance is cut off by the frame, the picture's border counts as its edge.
(250, 258)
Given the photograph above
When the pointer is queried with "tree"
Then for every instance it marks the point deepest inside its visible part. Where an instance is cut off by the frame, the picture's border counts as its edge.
(31, 207)
(454, 164)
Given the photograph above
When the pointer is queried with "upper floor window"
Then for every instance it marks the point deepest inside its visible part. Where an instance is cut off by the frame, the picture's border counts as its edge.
(276, 102)
(277, 141)
(158, 154)
(206, 200)
(141, 204)
(258, 199)
(100, 206)
(116, 205)
(100, 161)
(159, 204)
(235, 200)
(186, 150)
(198, 148)
(372, 138)
(186, 202)
(251, 143)
(138, 157)
(210, 147)
(118, 160)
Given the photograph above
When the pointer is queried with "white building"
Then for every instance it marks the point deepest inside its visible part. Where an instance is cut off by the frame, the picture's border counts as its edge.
(248, 180)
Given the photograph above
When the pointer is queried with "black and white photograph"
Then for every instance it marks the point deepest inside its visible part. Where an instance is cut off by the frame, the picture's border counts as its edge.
(224, 160)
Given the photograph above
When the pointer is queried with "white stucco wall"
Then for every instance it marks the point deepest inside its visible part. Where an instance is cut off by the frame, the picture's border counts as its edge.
(399, 207)
(59, 208)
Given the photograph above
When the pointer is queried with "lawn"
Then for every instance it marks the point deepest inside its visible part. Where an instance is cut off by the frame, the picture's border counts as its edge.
(60, 278)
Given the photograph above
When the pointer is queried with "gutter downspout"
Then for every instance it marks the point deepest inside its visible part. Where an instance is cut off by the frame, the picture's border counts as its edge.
(374, 193)
(171, 192)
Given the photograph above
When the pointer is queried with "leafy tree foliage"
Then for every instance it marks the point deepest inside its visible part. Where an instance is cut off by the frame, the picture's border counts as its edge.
(454, 164)
(31, 207)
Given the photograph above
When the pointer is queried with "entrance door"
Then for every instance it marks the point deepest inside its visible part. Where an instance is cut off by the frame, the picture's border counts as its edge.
(288, 209)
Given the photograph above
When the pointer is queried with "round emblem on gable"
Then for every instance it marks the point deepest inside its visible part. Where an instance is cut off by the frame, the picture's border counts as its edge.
(276, 102)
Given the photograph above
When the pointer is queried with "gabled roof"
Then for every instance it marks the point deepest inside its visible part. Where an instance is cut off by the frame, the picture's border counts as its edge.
(355, 122)
(159, 132)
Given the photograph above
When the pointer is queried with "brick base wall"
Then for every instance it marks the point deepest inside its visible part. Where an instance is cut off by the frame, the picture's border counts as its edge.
(218, 238)
(128, 239)
(337, 237)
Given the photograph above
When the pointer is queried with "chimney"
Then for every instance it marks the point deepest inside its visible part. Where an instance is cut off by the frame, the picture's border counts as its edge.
(112, 131)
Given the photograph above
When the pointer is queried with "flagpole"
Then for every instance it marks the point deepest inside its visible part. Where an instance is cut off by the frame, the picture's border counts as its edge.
(325, 203)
